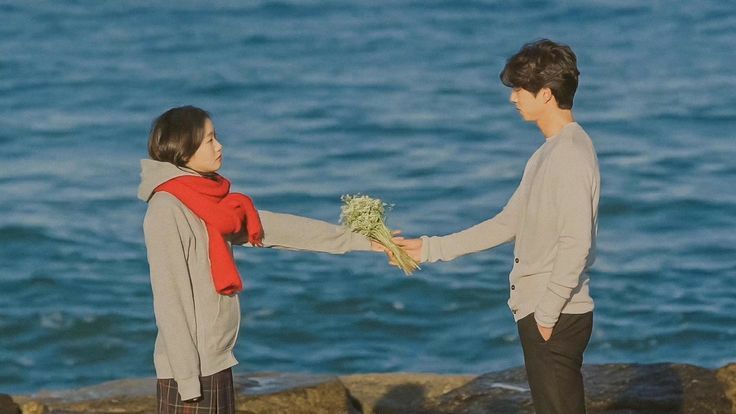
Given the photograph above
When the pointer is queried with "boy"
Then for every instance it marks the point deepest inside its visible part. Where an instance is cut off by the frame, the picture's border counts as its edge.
(552, 219)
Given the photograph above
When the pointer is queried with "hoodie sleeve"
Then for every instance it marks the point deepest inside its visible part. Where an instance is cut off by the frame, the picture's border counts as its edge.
(292, 232)
(173, 302)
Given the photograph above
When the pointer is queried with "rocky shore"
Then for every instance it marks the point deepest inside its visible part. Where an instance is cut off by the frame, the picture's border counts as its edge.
(610, 389)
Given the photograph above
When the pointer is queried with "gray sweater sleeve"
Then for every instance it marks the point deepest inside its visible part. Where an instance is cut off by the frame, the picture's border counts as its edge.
(485, 235)
(173, 303)
(292, 232)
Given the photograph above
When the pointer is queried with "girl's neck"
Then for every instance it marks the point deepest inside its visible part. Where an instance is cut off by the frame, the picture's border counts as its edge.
(209, 175)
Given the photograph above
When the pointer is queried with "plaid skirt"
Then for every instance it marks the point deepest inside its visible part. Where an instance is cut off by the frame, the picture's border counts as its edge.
(218, 395)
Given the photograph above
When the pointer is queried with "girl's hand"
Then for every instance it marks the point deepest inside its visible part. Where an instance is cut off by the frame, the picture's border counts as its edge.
(378, 247)
(256, 238)
(413, 247)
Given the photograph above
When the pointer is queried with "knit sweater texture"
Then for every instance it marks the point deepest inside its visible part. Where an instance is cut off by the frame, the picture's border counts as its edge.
(197, 327)
(552, 218)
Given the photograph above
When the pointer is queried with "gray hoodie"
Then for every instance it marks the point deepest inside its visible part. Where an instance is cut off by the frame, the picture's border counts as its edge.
(197, 327)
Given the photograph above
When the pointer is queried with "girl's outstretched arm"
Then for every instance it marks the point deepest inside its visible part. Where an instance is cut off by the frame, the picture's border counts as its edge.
(288, 231)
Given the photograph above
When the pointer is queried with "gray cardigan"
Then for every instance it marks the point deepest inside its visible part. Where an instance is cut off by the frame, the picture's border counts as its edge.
(552, 218)
(197, 327)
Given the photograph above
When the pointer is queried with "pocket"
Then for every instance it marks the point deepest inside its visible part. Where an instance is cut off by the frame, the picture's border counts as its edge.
(528, 329)
(538, 335)
(223, 330)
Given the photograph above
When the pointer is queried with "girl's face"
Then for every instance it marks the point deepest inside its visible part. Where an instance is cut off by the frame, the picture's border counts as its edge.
(208, 157)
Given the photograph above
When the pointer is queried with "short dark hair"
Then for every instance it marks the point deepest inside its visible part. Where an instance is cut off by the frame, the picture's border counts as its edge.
(544, 64)
(176, 134)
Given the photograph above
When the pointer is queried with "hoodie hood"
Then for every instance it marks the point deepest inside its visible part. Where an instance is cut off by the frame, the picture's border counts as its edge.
(155, 173)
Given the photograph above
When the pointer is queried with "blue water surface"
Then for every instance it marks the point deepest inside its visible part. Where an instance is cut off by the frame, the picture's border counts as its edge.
(397, 99)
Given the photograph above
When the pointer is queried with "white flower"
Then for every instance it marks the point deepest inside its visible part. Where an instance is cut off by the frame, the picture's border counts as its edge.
(367, 216)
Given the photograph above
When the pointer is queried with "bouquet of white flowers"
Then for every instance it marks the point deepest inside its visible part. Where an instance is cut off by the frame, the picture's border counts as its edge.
(367, 216)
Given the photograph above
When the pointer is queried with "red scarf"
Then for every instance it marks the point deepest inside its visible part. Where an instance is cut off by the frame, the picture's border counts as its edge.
(224, 213)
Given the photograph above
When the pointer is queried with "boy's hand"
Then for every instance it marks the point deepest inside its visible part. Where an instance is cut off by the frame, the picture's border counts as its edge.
(378, 247)
(545, 332)
(416, 244)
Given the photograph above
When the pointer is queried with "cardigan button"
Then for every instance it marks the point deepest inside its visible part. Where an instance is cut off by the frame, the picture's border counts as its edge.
(513, 287)
(516, 260)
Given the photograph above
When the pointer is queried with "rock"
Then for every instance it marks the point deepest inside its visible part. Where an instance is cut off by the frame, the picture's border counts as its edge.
(121, 396)
(7, 405)
(727, 376)
(400, 392)
(34, 407)
(610, 389)
(504, 392)
(654, 388)
(255, 394)
(293, 394)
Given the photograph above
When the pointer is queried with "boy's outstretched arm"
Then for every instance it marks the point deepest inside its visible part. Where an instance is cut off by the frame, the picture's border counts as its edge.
(490, 233)
(482, 236)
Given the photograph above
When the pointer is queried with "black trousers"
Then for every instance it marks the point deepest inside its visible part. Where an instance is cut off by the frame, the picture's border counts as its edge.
(553, 367)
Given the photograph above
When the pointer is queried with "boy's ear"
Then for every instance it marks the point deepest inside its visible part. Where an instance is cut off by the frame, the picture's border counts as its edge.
(546, 94)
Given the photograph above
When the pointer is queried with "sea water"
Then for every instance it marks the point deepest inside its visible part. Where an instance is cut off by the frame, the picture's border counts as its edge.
(396, 99)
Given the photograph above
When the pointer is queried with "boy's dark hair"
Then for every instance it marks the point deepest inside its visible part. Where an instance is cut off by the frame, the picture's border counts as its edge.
(176, 134)
(544, 64)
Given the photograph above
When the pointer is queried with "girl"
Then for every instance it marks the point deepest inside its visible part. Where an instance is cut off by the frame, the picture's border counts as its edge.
(191, 222)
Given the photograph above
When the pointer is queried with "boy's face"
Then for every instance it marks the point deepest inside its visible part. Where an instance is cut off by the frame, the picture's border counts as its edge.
(530, 107)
